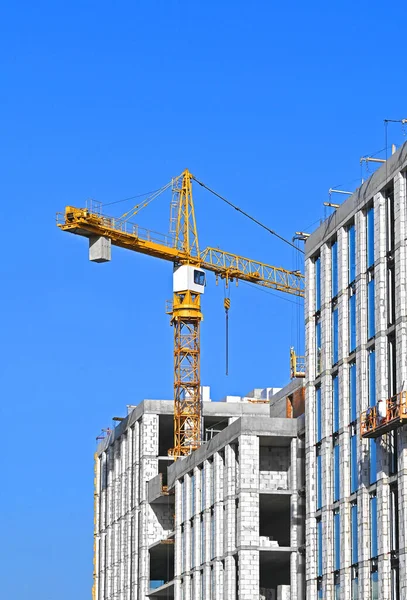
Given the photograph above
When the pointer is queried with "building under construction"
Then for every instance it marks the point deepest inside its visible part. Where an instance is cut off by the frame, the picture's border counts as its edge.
(224, 523)
(356, 401)
(248, 498)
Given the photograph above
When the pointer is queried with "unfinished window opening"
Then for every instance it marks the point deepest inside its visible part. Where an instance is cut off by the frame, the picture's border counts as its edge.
(390, 222)
(355, 583)
(319, 477)
(274, 466)
(319, 547)
(354, 532)
(371, 329)
(394, 519)
(192, 533)
(337, 586)
(211, 475)
(318, 414)
(372, 377)
(372, 461)
(334, 270)
(353, 459)
(202, 522)
(395, 580)
(392, 437)
(374, 582)
(317, 284)
(235, 448)
(183, 499)
(203, 486)
(213, 531)
(335, 402)
(336, 469)
(337, 540)
(351, 253)
(203, 586)
(335, 333)
(391, 292)
(373, 525)
(182, 549)
(392, 366)
(165, 434)
(318, 348)
(163, 465)
(352, 318)
(370, 237)
(237, 586)
(192, 491)
(161, 558)
(236, 514)
(275, 520)
(352, 392)
(213, 425)
(274, 571)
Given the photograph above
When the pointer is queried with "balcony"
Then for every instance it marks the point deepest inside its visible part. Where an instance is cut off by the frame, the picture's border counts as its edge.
(385, 416)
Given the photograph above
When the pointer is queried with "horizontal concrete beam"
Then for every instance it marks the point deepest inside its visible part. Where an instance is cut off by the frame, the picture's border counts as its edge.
(166, 407)
(260, 426)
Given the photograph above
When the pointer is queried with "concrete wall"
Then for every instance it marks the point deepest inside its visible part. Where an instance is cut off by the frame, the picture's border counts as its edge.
(218, 491)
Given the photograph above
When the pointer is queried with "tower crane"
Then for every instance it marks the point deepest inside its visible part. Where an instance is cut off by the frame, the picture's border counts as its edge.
(189, 267)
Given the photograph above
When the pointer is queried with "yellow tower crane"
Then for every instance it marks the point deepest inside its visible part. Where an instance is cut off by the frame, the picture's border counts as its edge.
(190, 264)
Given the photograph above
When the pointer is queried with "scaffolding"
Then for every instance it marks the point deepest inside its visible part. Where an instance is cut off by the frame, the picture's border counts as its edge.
(297, 364)
(385, 416)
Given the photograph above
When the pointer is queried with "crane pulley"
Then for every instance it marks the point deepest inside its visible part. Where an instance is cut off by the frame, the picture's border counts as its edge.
(190, 265)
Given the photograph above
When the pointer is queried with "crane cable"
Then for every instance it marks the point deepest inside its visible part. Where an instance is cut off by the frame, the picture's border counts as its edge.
(133, 211)
(280, 237)
(226, 304)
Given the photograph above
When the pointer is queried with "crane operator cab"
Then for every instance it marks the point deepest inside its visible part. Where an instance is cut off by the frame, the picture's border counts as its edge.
(188, 278)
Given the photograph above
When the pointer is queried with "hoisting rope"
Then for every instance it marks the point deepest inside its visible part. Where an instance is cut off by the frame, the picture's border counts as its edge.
(226, 304)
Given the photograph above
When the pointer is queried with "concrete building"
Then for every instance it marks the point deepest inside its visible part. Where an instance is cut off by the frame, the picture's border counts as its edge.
(356, 338)
(224, 523)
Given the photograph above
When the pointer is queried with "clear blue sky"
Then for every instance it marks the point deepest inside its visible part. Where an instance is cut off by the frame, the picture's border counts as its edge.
(269, 103)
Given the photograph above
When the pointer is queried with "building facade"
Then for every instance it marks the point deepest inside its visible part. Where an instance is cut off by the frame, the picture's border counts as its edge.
(223, 523)
(237, 534)
(356, 358)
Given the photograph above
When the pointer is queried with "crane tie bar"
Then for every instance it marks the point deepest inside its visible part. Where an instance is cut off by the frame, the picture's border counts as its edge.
(280, 237)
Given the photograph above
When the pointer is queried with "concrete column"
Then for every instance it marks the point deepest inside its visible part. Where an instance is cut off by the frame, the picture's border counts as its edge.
(342, 241)
(383, 541)
(364, 540)
(402, 508)
(249, 574)
(326, 312)
(134, 556)
(380, 275)
(230, 578)
(178, 543)
(216, 581)
(248, 518)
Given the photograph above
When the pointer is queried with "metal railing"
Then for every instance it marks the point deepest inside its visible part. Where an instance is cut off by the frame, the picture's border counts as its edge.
(94, 216)
(297, 364)
(375, 422)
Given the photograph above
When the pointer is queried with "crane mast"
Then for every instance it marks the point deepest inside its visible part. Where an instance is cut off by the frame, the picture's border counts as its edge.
(186, 320)
(189, 266)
